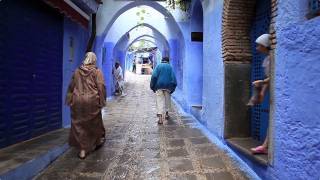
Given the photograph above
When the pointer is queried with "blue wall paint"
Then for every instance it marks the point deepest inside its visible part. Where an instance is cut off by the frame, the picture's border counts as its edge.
(175, 59)
(31, 70)
(107, 67)
(297, 84)
(195, 70)
(80, 38)
(129, 61)
(182, 95)
(213, 69)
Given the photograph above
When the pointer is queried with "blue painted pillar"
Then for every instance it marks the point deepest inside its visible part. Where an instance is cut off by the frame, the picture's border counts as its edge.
(195, 73)
(121, 58)
(107, 65)
(175, 60)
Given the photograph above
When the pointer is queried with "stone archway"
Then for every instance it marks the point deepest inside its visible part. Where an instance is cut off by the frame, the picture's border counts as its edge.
(120, 47)
(151, 4)
(169, 28)
(124, 44)
(158, 40)
(156, 35)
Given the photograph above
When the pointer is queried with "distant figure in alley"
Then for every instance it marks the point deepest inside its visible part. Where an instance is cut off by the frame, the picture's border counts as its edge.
(119, 79)
(87, 96)
(134, 66)
(163, 83)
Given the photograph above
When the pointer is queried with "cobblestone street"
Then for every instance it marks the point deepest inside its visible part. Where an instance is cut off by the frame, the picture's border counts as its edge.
(137, 148)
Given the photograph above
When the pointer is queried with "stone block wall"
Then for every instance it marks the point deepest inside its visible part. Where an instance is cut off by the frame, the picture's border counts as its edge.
(236, 23)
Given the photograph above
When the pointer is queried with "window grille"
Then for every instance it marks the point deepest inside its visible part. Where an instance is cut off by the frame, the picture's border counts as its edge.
(314, 9)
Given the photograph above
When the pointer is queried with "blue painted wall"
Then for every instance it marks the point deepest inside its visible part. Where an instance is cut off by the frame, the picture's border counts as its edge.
(107, 67)
(297, 84)
(80, 35)
(31, 70)
(176, 61)
(195, 70)
(120, 56)
(296, 128)
(213, 69)
(129, 61)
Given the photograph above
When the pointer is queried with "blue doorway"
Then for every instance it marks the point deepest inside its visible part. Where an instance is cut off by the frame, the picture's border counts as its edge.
(260, 113)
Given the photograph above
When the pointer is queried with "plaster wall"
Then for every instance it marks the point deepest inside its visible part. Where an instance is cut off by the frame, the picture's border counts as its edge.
(80, 38)
(213, 69)
(297, 106)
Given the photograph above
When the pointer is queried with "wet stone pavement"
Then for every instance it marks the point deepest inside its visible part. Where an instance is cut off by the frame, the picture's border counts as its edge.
(137, 148)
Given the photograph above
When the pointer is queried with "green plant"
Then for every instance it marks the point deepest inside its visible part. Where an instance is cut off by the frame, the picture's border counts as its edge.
(181, 4)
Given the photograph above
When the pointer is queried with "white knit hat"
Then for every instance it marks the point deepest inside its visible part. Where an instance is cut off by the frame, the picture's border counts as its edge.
(264, 40)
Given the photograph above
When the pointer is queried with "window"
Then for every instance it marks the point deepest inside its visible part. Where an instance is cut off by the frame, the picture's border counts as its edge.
(314, 9)
(71, 49)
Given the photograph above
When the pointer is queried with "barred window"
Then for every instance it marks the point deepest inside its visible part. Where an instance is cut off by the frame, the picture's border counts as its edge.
(314, 9)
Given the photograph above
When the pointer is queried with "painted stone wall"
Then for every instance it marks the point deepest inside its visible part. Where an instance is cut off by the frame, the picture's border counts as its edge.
(213, 70)
(107, 65)
(31, 70)
(297, 84)
(296, 152)
(74, 45)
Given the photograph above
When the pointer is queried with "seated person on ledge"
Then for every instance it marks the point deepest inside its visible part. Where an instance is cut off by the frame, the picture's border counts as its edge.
(261, 86)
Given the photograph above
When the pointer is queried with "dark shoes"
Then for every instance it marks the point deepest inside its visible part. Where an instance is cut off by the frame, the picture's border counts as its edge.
(160, 121)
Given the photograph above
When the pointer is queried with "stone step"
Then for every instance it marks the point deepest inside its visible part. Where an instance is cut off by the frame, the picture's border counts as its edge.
(26, 159)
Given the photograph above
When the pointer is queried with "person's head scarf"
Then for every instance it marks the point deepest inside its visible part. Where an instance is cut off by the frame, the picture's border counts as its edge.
(90, 59)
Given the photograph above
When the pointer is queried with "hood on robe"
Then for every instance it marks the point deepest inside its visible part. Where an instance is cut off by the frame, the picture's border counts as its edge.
(86, 70)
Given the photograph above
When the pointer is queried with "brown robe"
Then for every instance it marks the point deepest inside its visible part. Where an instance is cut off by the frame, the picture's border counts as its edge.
(86, 97)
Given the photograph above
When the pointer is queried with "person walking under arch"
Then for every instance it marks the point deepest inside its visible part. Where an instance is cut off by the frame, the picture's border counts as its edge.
(134, 66)
(119, 79)
(262, 86)
(86, 97)
(163, 83)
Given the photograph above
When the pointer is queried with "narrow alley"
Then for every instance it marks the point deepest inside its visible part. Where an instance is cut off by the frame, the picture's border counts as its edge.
(243, 76)
(138, 148)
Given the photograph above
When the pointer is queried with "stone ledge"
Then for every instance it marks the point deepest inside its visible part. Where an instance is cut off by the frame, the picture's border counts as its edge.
(244, 144)
(196, 111)
(26, 159)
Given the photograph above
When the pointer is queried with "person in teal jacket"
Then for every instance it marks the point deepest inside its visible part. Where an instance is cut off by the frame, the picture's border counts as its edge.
(163, 83)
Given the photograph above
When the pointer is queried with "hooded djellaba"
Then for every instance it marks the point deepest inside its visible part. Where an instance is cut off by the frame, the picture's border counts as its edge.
(86, 97)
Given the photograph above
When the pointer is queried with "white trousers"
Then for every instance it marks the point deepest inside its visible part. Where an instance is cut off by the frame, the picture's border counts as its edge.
(163, 101)
(120, 86)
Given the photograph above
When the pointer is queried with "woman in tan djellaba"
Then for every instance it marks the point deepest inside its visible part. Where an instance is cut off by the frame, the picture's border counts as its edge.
(86, 97)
